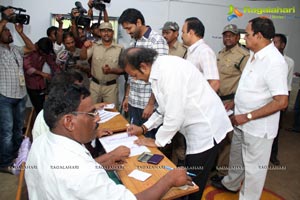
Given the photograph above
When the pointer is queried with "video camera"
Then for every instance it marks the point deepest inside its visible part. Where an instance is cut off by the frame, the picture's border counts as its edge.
(97, 4)
(17, 17)
(66, 60)
(81, 20)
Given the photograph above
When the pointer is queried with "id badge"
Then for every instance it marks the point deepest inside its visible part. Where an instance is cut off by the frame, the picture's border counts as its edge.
(21, 78)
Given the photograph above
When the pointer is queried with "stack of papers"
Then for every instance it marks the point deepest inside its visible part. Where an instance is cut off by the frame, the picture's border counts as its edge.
(106, 115)
(112, 142)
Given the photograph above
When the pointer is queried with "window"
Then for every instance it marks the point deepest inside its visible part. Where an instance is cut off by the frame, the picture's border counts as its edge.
(242, 40)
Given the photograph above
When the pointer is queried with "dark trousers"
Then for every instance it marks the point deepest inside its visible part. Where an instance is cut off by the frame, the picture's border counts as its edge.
(37, 98)
(135, 116)
(297, 113)
(12, 114)
(201, 164)
(274, 151)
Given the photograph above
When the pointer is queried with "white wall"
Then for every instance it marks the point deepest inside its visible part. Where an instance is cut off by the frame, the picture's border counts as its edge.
(213, 14)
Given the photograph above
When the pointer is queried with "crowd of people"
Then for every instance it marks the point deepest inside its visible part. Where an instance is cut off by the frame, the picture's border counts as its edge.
(205, 111)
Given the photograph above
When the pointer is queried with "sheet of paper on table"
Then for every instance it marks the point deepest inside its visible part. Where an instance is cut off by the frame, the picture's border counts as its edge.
(109, 106)
(139, 175)
(106, 115)
(112, 142)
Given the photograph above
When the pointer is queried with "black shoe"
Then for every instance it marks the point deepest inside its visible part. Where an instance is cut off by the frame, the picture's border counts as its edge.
(216, 178)
(275, 161)
(219, 185)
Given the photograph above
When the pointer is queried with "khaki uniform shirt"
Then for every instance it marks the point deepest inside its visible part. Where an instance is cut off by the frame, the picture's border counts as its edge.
(178, 50)
(230, 65)
(101, 56)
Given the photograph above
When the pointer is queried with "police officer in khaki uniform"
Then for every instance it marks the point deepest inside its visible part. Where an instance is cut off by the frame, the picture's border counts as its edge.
(170, 33)
(231, 61)
(104, 65)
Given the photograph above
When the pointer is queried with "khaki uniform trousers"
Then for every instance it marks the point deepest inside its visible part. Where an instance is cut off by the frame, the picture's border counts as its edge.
(103, 93)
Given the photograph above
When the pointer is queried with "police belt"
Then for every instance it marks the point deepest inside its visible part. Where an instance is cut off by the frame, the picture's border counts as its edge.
(227, 97)
(107, 83)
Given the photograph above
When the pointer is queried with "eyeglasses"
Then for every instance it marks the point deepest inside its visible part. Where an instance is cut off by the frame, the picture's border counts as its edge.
(91, 114)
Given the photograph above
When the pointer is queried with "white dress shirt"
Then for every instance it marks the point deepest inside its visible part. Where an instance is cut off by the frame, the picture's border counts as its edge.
(186, 103)
(263, 78)
(39, 126)
(60, 168)
(204, 58)
(291, 64)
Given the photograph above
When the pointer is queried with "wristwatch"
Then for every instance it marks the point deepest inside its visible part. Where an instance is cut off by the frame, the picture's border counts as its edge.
(249, 116)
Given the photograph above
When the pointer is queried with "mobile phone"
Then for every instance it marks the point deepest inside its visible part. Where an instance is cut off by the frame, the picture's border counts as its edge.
(144, 157)
(155, 159)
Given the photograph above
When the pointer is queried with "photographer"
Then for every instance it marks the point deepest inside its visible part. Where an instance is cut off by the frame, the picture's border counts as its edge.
(36, 79)
(94, 31)
(12, 91)
(71, 60)
(103, 8)
(80, 23)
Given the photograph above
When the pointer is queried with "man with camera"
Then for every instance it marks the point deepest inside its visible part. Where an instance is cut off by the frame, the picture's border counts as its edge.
(12, 91)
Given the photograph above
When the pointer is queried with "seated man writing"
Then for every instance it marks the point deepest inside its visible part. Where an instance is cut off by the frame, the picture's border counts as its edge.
(60, 167)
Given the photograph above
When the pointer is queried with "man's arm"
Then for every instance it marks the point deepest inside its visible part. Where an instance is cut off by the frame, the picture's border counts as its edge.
(3, 22)
(125, 101)
(83, 52)
(215, 84)
(29, 68)
(108, 70)
(60, 32)
(105, 16)
(51, 61)
(112, 158)
(174, 178)
(148, 110)
(278, 103)
(29, 46)
(90, 11)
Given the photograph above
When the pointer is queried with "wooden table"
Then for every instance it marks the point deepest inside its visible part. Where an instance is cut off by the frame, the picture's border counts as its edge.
(157, 171)
(117, 124)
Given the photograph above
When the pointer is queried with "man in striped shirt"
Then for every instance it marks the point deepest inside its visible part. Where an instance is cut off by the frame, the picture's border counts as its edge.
(139, 100)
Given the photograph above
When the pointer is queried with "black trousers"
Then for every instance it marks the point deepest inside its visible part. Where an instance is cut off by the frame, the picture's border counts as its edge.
(37, 98)
(201, 165)
(274, 151)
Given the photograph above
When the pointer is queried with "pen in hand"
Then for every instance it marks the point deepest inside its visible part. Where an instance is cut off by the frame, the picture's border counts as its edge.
(131, 121)
(188, 173)
(128, 126)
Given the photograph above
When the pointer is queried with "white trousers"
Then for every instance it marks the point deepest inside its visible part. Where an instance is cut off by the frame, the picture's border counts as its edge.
(248, 164)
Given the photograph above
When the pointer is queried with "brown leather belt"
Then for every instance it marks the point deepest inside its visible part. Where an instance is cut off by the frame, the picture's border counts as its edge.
(106, 83)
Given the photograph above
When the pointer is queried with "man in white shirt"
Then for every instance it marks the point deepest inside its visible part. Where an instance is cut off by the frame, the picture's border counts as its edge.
(186, 103)
(60, 167)
(199, 53)
(262, 92)
(280, 42)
